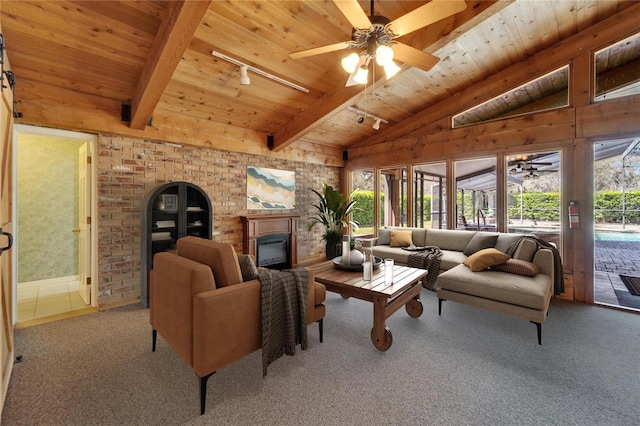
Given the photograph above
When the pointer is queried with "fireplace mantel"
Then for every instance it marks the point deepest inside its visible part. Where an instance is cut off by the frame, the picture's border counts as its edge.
(258, 226)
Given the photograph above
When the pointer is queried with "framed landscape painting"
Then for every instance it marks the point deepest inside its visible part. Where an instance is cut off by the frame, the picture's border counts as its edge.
(269, 189)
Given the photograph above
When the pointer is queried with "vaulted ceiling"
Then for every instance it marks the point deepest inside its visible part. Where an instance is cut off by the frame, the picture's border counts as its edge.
(157, 57)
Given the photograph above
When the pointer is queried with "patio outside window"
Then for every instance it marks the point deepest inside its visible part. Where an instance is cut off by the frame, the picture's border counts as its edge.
(476, 194)
(430, 202)
(533, 194)
(393, 197)
(362, 183)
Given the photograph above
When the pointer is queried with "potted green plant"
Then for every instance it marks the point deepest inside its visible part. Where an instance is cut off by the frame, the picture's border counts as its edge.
(333, 211)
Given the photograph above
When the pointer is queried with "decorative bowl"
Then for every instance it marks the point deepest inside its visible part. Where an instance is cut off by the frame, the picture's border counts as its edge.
(337, 262)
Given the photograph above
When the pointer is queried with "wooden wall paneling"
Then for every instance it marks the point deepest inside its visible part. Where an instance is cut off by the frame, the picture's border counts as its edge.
(530, 130)
(410, 195)
(582, 80)
(567, 193)
(452, 219)
(376, 200)
(96, 114)
(581, 241)
(501, 193)
(617, 117)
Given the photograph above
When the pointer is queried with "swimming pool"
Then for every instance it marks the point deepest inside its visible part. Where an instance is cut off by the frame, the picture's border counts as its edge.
(616, 236)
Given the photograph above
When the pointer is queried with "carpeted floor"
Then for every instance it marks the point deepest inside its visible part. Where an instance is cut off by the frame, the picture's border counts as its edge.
(466, 367)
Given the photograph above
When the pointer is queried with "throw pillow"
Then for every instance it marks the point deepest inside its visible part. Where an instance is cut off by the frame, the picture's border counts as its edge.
(484, 258)
(384, 237)
(519, 267)
(480, 241)
(247, 267)
(401, 238)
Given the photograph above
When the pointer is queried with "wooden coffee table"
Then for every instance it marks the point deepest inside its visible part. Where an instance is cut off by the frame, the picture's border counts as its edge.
(386, 298)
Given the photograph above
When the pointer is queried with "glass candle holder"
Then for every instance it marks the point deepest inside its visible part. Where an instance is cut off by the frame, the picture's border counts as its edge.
(346, 251)
(388, 271)
(367, 270)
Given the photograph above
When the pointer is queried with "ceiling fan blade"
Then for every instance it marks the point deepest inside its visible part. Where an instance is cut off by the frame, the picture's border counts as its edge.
(354, 13)
(319, 50)
(414, 57)
(425, 15)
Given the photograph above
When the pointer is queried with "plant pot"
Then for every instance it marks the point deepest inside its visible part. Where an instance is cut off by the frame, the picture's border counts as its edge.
(333, 250)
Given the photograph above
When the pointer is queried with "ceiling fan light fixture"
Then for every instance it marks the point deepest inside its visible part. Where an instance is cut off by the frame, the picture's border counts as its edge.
(384, 55)
(391, 69)
(349, 63)
(362, 76)
(244, 76)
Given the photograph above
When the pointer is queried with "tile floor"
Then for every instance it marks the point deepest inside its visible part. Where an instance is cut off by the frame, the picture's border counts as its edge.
(39, 299)
(612, 258)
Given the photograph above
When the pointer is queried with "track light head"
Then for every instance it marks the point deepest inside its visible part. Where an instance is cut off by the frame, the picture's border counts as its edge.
(244, 76)
(376, 125)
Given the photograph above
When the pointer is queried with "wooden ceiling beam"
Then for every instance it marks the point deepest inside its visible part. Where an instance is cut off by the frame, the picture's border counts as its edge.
(174, 36)
(341, 97)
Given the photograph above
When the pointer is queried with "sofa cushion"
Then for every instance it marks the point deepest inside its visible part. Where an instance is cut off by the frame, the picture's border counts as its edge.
(482, 259)
(447, 239)
(518, 267)
(220, 257)
(531, 292)
(451, 259)
(481, 240)
(384, 237)
(505, 241)
(400, 238)
(247, 267)
(526, 250)
(395, 253)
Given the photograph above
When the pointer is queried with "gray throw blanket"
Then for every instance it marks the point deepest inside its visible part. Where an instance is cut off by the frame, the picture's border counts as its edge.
(558, 278)
(428, 259)
(284, 312)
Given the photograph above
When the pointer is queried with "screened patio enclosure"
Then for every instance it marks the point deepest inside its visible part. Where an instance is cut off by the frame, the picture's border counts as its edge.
(476, 185)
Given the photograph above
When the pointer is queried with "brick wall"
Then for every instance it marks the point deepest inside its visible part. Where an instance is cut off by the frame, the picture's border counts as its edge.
(129, 168)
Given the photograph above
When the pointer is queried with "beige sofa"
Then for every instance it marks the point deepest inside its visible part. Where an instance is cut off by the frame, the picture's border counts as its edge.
(205, 311)
(520, 296)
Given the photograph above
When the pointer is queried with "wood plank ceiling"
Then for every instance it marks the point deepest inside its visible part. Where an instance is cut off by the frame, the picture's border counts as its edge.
(156, 55)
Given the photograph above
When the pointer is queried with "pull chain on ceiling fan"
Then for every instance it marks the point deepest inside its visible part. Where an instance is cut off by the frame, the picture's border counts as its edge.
(375, 38)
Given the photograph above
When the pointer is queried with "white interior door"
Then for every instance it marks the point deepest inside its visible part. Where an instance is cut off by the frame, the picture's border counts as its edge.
(84, 222)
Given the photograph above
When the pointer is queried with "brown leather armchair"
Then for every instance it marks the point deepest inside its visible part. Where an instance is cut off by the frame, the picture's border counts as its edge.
(200, 305)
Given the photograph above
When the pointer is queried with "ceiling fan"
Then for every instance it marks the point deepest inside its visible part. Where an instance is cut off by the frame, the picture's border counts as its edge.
(375, 37)
(528, 167)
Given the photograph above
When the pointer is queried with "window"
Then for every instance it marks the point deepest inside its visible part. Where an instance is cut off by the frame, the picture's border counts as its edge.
(547, 92)
(393, 197)
(618, 69)
(533, 194)
(430, 201)
(362, 185)
(476, 194)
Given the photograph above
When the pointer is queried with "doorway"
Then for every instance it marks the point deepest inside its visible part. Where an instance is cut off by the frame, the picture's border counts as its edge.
(55, 242)
(617, 223)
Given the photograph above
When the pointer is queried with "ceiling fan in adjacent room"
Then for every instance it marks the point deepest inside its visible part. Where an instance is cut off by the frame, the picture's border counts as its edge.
(375, 38)
(528, 168)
